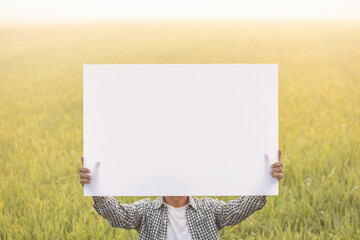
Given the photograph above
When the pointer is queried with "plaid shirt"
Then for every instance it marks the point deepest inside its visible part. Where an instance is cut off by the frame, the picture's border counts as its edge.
(205, 216)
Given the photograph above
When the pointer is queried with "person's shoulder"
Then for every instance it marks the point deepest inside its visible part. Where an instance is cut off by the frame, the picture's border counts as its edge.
(204, 202)
(143, 201)
(147, 203)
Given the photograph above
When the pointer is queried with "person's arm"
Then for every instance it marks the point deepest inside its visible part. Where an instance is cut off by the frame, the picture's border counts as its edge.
(128, 216)
(235, 211)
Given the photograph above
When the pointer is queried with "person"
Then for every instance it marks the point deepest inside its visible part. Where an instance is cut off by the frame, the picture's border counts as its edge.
(178, 217)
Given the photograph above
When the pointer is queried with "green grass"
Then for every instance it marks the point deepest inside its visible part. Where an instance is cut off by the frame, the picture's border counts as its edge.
(319, 120)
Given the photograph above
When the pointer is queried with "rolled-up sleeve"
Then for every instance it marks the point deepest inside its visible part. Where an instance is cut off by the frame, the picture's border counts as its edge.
(128, 216)
(235, 211)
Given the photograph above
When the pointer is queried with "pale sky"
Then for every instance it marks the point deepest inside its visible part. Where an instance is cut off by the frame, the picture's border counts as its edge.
(91, 10)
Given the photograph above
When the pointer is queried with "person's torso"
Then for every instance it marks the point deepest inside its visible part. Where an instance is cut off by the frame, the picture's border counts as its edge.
(200, 223)
(177, 228)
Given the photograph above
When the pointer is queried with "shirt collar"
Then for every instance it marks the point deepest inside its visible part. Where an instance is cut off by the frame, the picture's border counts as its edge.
(160, 202)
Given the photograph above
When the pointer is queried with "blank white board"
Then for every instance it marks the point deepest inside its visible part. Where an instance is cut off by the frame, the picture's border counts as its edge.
(180, 129)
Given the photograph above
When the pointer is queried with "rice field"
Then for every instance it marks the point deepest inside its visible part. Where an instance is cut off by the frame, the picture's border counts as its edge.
(319, 120)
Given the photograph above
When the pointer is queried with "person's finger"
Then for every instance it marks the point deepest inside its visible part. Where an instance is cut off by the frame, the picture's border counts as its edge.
(277, 164)
(84, 181)
(277, 175)
(277, 170)
(279, 153)
(85, 170)
(84, 175)
(82, 160)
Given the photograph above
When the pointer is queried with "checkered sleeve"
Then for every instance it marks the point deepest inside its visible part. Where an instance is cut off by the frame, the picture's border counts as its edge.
(128, 216)
(235, 211)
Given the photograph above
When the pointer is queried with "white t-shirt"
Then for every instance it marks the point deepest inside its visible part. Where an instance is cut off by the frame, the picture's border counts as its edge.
(177, 229)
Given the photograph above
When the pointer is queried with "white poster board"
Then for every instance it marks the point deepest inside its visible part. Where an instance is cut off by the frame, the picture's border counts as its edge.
(180, 129)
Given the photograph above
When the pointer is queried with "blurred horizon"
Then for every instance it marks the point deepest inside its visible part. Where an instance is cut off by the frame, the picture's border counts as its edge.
(81, 11)
(345, 23)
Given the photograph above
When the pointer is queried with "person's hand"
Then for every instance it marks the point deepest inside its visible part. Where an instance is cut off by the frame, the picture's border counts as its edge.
(85, 178)
(277, 168)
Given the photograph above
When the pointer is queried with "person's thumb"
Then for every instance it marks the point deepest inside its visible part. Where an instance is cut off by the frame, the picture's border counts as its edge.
(279, 153)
